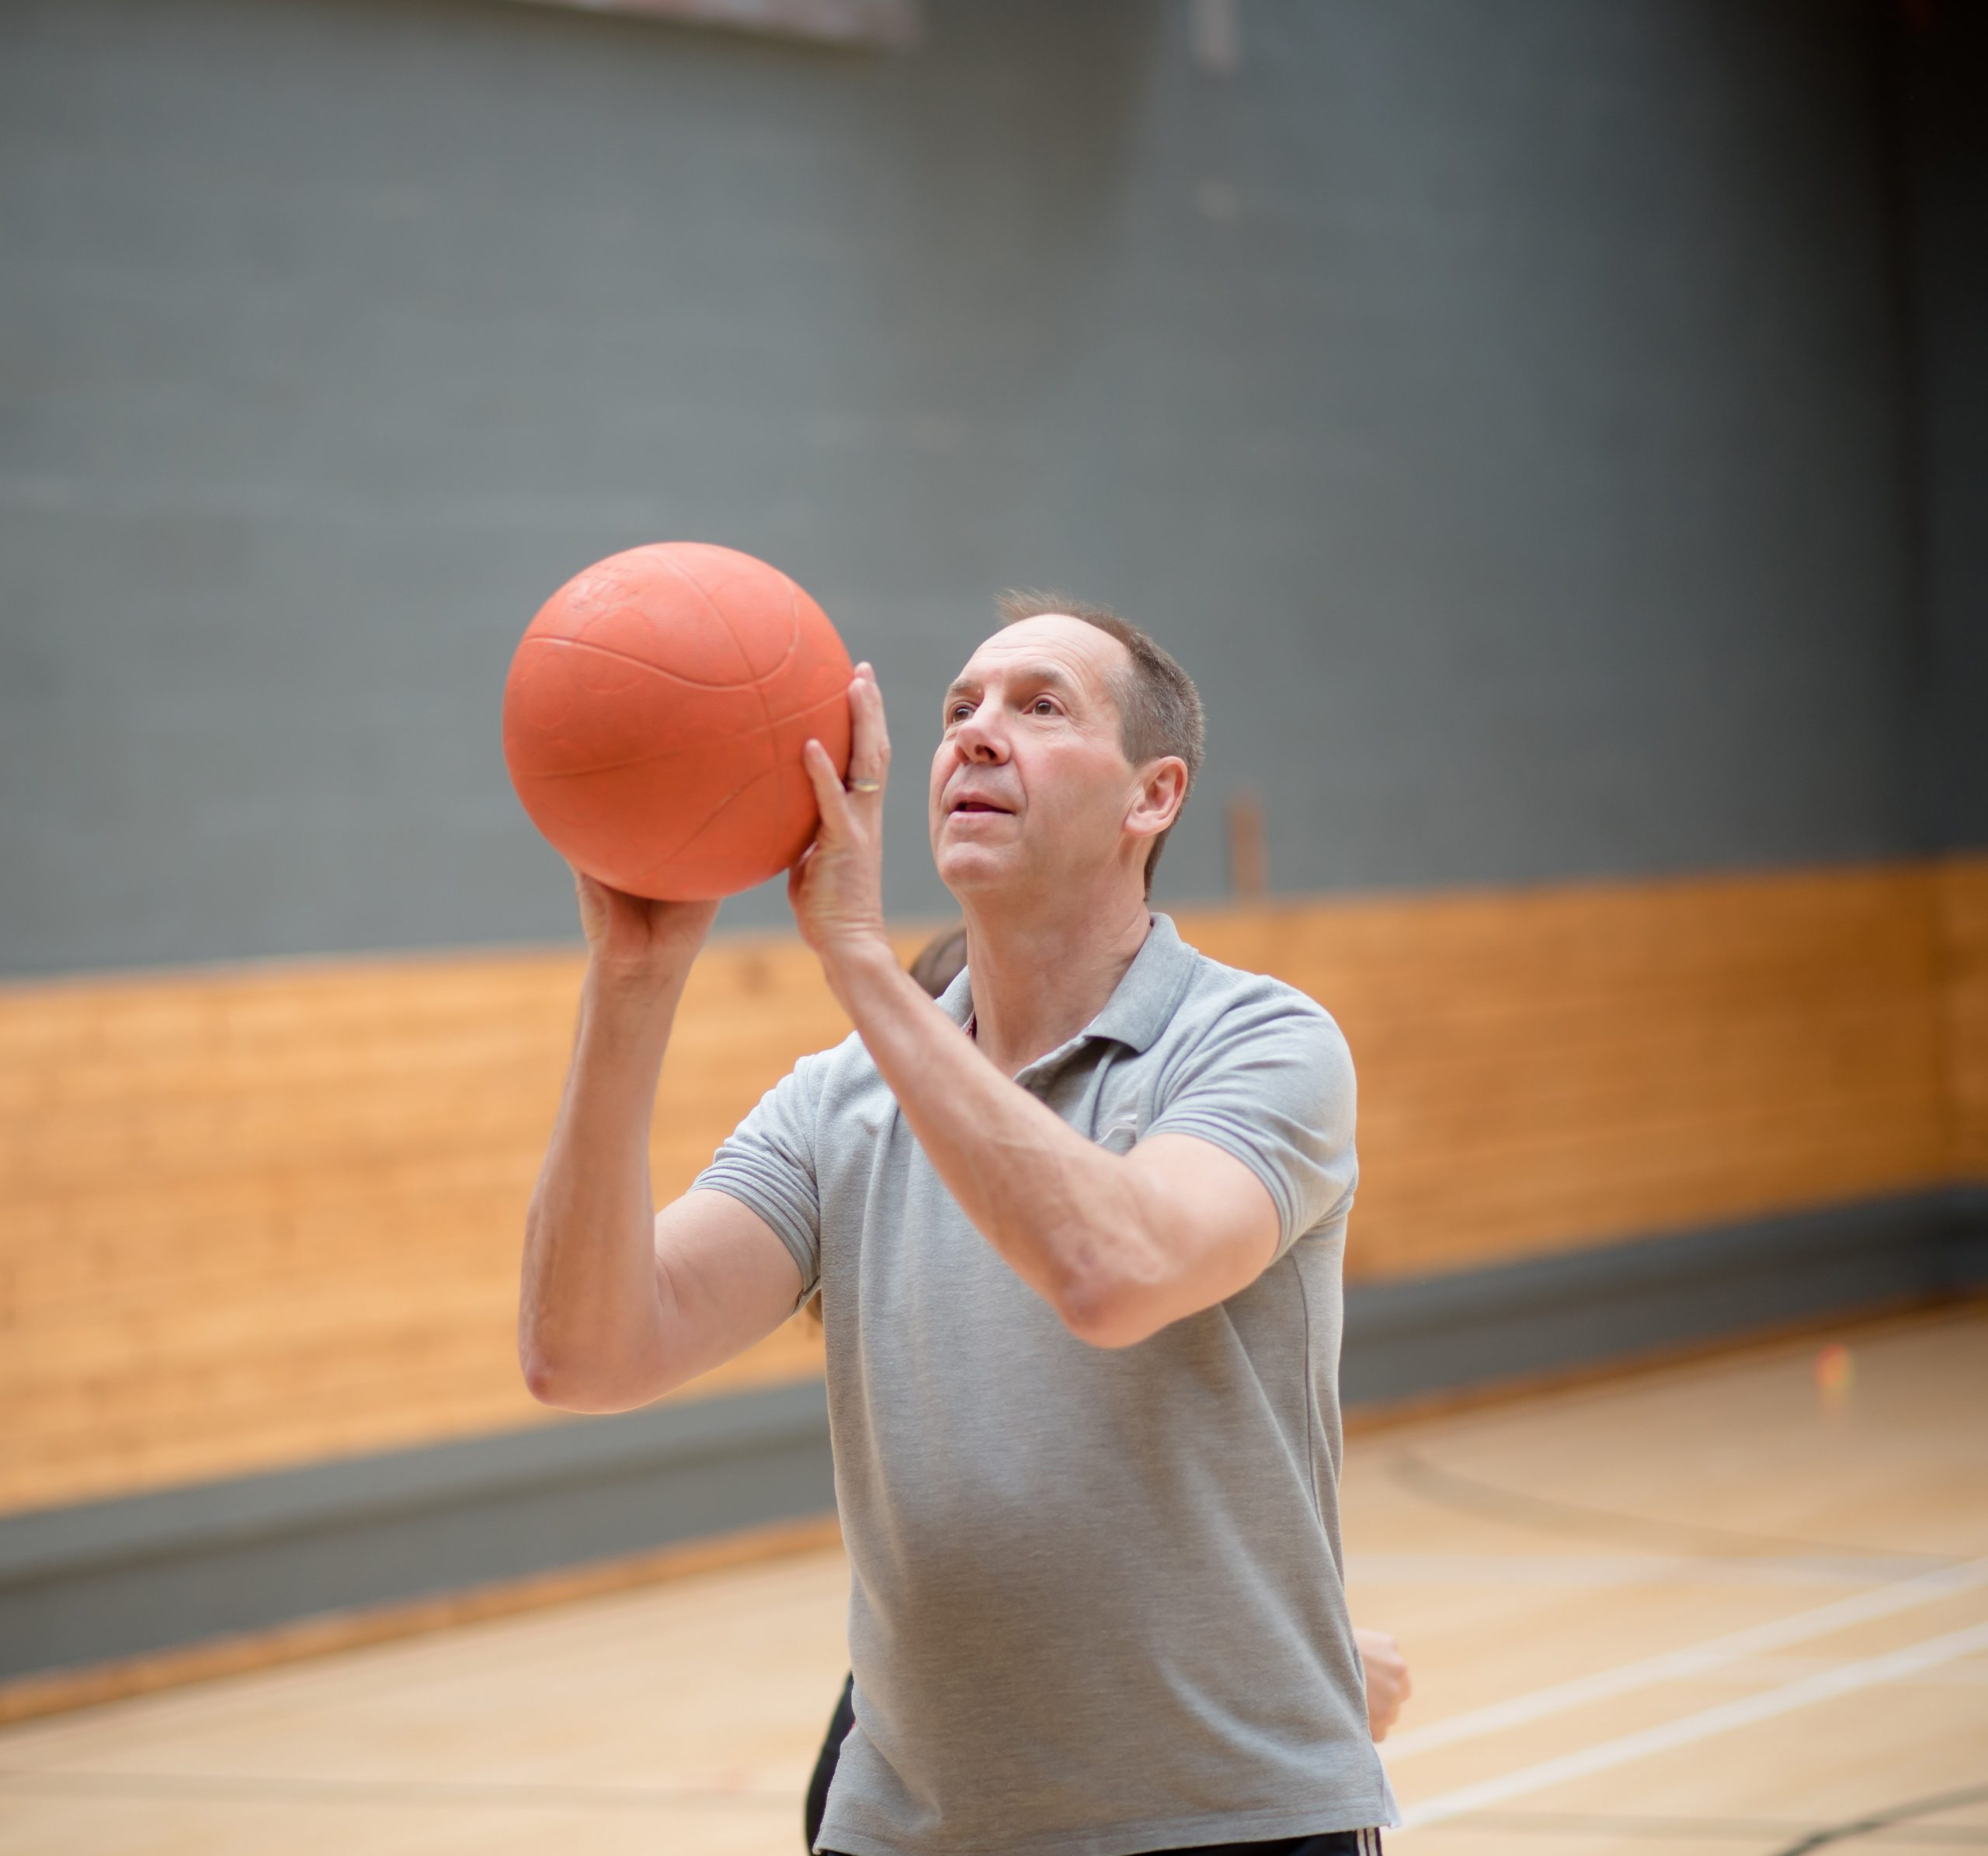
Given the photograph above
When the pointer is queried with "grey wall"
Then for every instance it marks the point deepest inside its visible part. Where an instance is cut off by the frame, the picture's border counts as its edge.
(1500, 409)
(1942, 107)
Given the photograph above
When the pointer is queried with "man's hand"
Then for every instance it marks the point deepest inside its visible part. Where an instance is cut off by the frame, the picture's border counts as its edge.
(837, 887)
(632, 939)
(1388, 1685)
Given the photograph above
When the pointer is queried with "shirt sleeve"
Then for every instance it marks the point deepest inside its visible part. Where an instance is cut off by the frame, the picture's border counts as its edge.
(767, 1163)
(1272, 1083)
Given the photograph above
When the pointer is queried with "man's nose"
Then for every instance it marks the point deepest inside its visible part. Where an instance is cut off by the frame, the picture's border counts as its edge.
(975, 740)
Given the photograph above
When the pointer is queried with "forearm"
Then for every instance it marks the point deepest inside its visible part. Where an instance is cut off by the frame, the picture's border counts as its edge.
(1071, 1219)
(589, 1322)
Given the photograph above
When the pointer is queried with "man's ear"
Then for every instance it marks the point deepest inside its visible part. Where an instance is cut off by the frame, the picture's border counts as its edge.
(1162, 791)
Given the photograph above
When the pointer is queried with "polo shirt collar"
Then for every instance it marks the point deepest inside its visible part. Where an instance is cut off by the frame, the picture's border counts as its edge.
(1141, 1004)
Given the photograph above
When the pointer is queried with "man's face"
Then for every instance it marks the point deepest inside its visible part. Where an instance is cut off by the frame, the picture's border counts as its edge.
(1031, 787)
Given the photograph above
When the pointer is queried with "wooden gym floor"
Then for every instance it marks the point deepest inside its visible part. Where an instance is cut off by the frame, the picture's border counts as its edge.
(1736, 1606)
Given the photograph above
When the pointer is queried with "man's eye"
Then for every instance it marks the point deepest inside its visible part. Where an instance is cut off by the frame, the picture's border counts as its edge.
(1042, 702)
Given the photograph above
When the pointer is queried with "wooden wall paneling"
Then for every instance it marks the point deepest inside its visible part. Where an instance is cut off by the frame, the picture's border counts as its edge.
(258, 1217)
(1963, 903)
(1573, 1065)
(255, 1218)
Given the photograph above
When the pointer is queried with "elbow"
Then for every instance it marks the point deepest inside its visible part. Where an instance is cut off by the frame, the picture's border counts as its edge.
(594, 1382)
(549, 1369)
(1117, 1284)
(1107, 1309)
(568, 1384)
(542, 1379)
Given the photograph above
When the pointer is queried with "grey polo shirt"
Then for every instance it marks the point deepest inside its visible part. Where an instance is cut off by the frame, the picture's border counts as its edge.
(1096, 1603)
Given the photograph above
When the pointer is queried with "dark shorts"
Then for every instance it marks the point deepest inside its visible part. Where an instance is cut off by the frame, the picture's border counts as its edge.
(1327, 1843)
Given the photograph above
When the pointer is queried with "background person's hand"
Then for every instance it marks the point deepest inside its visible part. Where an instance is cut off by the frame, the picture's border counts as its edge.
(836, 888)
(632, 939)
(1388, 1685)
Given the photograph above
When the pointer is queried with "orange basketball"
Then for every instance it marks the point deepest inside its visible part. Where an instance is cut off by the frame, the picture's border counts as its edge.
(654, 716)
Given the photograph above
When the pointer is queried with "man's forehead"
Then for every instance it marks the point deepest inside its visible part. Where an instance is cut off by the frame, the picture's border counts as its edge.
(1049, 638)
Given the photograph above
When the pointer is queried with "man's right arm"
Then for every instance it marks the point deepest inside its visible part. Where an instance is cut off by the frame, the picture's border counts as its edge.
(619, 1303)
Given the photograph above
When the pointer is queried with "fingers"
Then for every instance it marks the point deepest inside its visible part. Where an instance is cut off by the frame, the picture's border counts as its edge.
(829, 797)
(870, 741)
(869, 756)
(592, 899)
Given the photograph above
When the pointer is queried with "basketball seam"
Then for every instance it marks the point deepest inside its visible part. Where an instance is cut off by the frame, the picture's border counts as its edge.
(718, 612)
(683, 844)
(643, 760)
(746, 657)
(674, 676)
(827, 702)
(710, 819)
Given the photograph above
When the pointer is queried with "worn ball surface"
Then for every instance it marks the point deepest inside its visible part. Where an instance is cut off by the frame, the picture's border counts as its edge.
(654, 714)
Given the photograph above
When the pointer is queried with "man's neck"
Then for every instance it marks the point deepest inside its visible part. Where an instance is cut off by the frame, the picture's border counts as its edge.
(1038, 981)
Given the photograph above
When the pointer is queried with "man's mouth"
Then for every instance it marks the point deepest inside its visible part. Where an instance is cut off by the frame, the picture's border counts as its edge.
(978, 805)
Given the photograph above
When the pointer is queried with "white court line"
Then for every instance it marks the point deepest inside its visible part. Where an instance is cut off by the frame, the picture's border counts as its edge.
(1677, 1665)
(1565, 1569)
(1844, 1680)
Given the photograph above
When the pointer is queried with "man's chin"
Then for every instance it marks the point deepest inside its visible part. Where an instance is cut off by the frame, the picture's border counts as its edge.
(979, 869)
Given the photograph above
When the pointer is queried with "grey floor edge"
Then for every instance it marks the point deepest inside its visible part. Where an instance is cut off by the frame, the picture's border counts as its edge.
(1586, 1307)
(110, 1579)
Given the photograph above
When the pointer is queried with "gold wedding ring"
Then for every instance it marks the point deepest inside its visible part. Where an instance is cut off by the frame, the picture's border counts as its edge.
(863, 786)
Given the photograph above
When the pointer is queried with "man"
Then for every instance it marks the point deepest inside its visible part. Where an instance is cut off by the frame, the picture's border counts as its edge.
(1077, 1229)
(1382, 1667)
